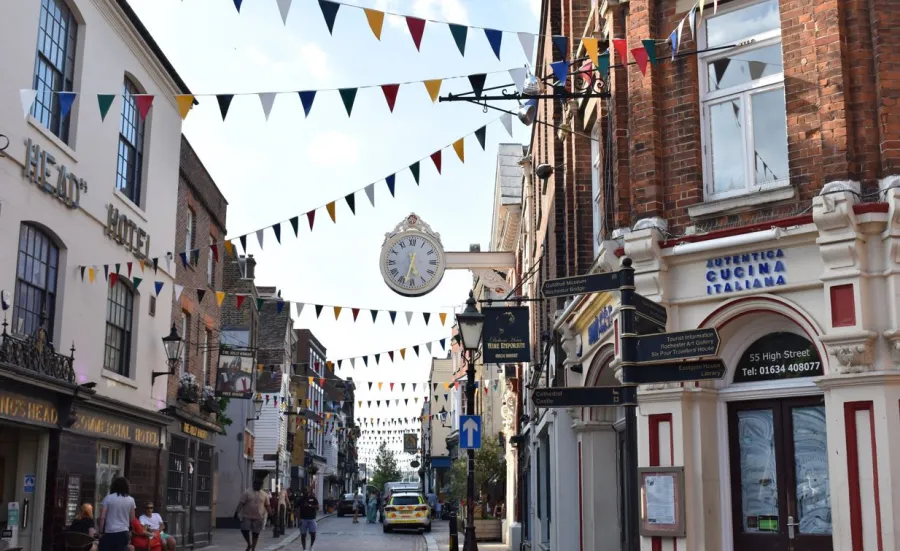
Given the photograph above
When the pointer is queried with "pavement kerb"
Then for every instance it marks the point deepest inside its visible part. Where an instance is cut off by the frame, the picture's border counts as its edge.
(431, 542)
(293, 535)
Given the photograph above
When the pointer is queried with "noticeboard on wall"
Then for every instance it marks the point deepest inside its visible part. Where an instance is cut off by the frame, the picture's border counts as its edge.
(662, 501)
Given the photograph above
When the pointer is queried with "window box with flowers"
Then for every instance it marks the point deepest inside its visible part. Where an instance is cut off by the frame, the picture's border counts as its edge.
(208, 400)
(188, 389)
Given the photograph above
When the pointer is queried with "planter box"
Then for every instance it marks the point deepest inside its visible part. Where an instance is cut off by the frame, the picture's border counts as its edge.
(488, 530)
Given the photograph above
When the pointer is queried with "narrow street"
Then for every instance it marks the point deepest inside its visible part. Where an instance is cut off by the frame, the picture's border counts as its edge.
(340, 534)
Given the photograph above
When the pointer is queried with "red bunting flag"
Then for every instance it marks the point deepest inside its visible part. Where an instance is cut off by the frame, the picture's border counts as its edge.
(144, 102)
(240, 300)
(416, 30)
(621, 46)
(390, 94)
(436, 157)
(641, 57)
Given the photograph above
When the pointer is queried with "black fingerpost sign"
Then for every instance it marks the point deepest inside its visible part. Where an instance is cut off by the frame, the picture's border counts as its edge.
(580, 285)
(674, 372)
(507, 333)
(650, 310)
(678, 345)
(584, 396)
(778, 356)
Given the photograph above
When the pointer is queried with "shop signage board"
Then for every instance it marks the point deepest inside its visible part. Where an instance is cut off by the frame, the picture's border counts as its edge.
(580, 285)
(779, 356)
(589, 396)
(410, 443)
(674, 372)
(234, 377)
(679, 345)
(507, 332)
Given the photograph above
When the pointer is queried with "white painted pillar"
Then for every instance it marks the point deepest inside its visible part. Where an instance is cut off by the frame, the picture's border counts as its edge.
(600, 515)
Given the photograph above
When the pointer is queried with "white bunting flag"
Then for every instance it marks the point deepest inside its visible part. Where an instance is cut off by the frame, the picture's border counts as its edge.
(428, 346)
(27, 97)
(370, 193)
(284, 6)
(506, 119)
(259, 237)
(267, 99)
(409, 318)
(299, 307)
(178, 291)
(527, 42)
(518, 77)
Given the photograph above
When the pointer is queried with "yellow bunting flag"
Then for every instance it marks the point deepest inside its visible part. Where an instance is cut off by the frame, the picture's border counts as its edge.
(447, 386)
(229, 248)
(329, 365)
(434, 88)
(142, 265)
(220, 296)
(443, 316)
(460, 148)
(91, 274)
(403, 353)
(376, 21)
(310, 382)
(379, 385)
(590, 46)
(330, 208)
(185, 103)
(337, 313)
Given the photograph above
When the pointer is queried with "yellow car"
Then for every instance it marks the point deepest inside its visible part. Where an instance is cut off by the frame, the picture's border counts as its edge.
(407, 510)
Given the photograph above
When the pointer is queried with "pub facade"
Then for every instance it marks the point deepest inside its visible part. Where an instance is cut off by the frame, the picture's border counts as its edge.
(86, 277)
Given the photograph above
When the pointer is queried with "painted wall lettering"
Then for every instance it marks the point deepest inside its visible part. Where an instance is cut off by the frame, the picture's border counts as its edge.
(67, 187)
(600, 325)
(742, 272)
(127, 233)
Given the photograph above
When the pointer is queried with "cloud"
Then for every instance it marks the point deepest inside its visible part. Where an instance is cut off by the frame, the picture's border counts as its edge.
(333, 147)
(289, 60)
(451, 11)
(535, 6)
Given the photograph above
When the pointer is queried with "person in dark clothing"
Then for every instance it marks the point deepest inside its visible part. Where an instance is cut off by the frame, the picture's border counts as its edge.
(309, 509)
(380, 508)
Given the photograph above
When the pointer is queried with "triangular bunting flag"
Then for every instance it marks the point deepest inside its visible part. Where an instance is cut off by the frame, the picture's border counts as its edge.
(414, 168)
(603, 64)
(104, 101)
(178, 290)
(393, 315)
(390, 94)
(436, 158)
(237, 4)
(592, 49)
(260, 235)
(495, 38)
(459, 32)
(279, 306)
(477, 83)
(330, 208)
(377, 357)
(136, 282)
(144, 103)
(650, 47)
(692, 20)
(351, 202)
(220, 296)
(428, 346)
(621, 47)
(65, 99)
(277, 229)
(114, 278)
(444, 344)
(518, 77)
(355, 312)
(27, 97)
(299, 307)
(311, 218)
(391, 355)
(348, 96)
(259, 304)
(307, 98)
(267, 100)
(409, 316)
(416, 28)
(527, 42)
(376, 21)
(426, 316)
(158, 285)
(295, 223)
(329, 10)
(443, 316)
(200, 294)
(337, 312)
(318, 310)
(284, 6)
(434, 88)
(561, 42)
(506, 119)
(640, 56)
(366, 363)
(561, 70)
(370, 193)
(184, 260)
(416, 352)
(460, 147)
(240, 300)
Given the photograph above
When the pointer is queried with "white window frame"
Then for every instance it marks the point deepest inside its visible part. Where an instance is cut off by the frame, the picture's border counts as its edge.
(596, 185)
(189, 234)
(743, 93)
(204, 344)
(210, 265)
(116, 469)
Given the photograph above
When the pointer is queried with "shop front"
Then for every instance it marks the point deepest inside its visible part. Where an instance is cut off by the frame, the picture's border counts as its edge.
(189, 506)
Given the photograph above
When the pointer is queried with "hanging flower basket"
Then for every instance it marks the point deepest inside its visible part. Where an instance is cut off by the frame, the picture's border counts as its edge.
(208, 400)
(188, 389)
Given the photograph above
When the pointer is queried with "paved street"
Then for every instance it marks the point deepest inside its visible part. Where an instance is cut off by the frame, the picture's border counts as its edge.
(340, 534)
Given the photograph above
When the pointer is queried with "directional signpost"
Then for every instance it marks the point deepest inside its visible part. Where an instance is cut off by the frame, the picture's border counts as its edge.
(679, 345)
(584, 396)
(571, 286)
(470, 432)
(676, 372)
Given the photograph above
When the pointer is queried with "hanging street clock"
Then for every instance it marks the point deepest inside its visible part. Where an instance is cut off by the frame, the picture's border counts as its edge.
(412, 258)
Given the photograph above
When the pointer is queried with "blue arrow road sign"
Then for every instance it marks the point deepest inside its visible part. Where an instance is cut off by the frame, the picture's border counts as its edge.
(469, 432)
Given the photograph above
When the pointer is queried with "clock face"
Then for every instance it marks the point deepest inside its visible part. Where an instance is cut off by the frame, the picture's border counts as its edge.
(412, 263)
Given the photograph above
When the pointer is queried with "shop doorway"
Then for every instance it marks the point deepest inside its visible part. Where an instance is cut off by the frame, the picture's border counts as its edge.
(779, 475)
(21, 457)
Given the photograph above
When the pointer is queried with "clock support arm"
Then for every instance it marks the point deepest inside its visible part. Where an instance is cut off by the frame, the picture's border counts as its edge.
(480, 260)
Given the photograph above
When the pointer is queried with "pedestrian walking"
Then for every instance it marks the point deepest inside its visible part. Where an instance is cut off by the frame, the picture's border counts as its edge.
(116, 513)
(309, 508)
(356, 507)
(380, 508)
(372, 509)
(253, 507)
(439, 509)
(432, 503)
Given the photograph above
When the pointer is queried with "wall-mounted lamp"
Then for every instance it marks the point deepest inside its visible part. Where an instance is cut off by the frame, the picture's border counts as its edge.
(172, 344)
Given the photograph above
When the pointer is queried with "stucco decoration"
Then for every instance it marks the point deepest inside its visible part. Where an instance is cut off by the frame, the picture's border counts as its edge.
(854, 353)
(494, 281)
(893, 339)
(839, 235)
(642, 246)
(508, 410)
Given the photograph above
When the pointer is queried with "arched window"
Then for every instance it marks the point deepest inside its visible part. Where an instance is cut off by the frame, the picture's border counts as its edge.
(35, 282)
(119, 320)
(54, 65)
(131, 145)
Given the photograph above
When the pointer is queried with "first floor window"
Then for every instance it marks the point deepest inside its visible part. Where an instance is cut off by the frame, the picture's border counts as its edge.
(131, 145)
(54, 66)
(175, 495)
(743, 102)
(35, 301)
(119, 318)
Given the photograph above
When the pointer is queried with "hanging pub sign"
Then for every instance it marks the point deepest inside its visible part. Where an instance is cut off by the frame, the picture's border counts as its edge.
(778, 356)
(506, 335)
(234, 378)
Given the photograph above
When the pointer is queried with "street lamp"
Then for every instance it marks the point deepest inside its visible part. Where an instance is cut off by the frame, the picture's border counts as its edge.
(471, 325)
(443, 414)
(257, 408)
(172, 343)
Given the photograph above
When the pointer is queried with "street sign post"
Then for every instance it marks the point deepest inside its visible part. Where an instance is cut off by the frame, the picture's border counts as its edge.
(651, 310)
(469, 432)
(589, 396)
(675, 372)
(680, 345)
(580, 285)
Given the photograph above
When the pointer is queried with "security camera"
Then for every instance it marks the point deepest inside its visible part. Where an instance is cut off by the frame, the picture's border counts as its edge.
(544, 171)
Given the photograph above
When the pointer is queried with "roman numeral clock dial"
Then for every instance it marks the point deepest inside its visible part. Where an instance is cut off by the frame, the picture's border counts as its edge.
(412, 258)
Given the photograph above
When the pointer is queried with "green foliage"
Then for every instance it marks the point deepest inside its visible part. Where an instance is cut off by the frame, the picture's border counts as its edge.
(490, 470)
(221, 418)
(386, 468)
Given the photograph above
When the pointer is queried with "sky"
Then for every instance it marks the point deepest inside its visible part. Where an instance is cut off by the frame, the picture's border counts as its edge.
(272, 170)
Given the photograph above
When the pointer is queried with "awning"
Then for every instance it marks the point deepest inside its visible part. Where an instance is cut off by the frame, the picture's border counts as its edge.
(441, 462)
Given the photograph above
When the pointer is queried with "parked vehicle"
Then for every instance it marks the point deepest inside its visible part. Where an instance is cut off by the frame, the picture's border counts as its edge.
(345, 506)
(407, 510)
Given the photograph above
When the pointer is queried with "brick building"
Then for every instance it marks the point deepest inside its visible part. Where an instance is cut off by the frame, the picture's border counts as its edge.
(309, 390)
(199, 233)
(752, 180)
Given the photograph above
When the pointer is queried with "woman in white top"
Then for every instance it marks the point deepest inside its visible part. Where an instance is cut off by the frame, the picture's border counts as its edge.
(116, 512)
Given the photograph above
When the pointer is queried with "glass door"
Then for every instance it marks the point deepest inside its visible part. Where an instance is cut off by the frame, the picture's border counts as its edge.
(781, 499)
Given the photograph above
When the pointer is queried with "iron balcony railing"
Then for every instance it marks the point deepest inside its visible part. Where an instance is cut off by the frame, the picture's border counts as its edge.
(36, 354)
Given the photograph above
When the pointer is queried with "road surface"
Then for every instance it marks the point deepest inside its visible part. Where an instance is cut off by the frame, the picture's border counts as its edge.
(340, 534)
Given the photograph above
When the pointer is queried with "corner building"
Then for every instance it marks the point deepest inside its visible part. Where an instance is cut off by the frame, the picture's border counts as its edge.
(753, 181)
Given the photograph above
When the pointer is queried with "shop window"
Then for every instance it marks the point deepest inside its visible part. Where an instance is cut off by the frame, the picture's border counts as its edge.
(119, 319)
(35, 282)
(204, 476)
(110, 465)
(742, 95)
(54, 66)
(175, 494)
(131, 145)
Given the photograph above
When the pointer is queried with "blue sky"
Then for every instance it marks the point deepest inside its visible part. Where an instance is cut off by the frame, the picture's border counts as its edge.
(270, 171)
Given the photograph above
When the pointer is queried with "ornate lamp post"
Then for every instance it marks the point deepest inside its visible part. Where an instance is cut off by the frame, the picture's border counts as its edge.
(172, 343)
(471, 325)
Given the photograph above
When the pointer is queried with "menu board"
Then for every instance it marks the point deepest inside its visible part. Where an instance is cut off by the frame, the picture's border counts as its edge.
(73, 497)
(778, 356)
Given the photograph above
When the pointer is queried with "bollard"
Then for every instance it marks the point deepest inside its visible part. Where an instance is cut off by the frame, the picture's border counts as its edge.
(454, 532)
